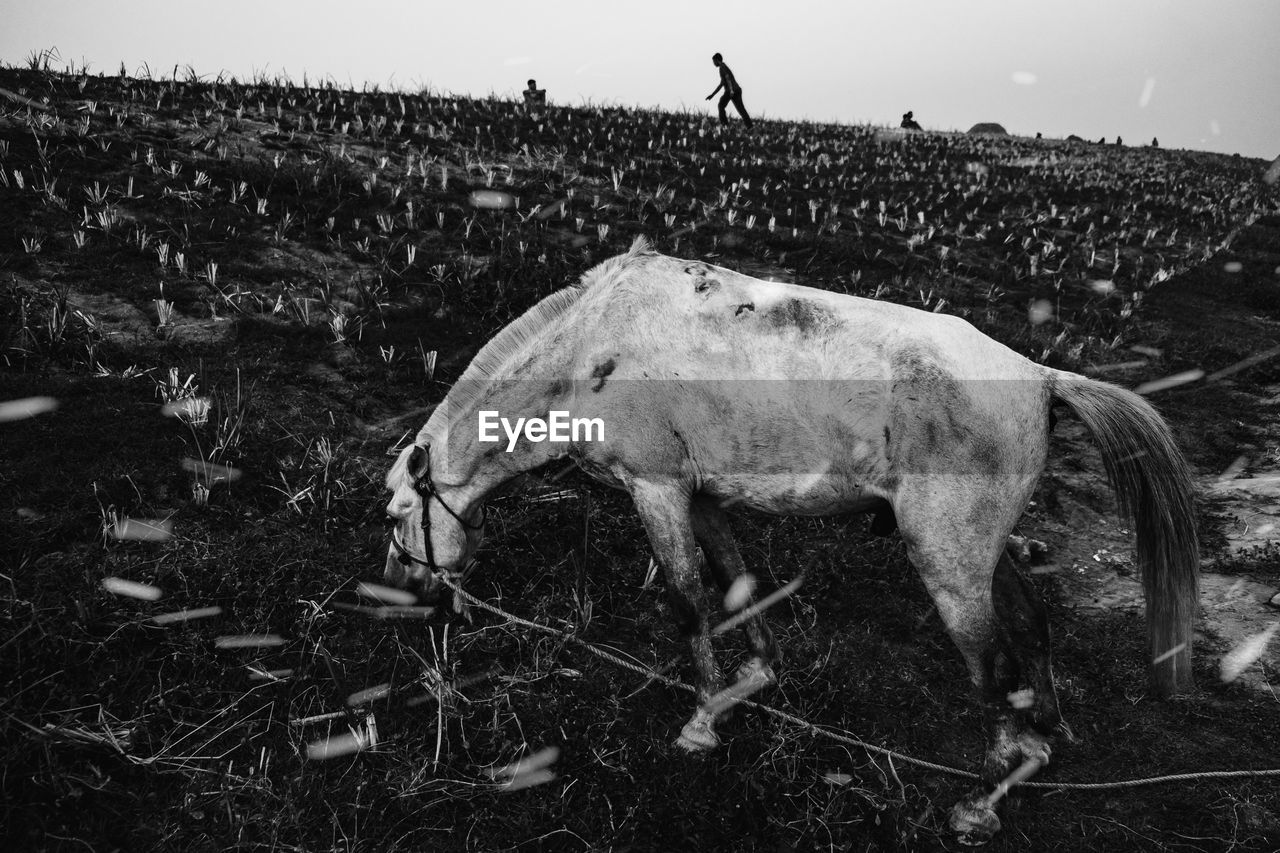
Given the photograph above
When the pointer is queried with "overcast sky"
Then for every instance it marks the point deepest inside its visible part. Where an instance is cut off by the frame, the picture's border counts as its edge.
(1196, 74)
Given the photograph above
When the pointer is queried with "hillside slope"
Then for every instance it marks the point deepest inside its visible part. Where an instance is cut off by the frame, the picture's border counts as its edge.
(296, 274)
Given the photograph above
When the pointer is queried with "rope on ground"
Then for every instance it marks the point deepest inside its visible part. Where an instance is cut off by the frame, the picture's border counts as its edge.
(840, 737)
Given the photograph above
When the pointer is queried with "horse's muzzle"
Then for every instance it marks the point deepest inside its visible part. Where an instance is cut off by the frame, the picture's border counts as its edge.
(415, 578)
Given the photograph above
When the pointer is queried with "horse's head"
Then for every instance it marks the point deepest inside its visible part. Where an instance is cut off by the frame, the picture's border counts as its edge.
(431, 534)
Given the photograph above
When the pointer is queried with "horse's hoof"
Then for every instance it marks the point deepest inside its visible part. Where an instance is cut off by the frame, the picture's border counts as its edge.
(698, 736)
(974, 822)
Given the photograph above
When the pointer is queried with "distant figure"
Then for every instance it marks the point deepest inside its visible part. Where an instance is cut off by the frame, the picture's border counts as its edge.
(909, 122)
(1039, 135)
(1119, 141)
(732, 92)
(1155, 142)
(1102, 141)
(533, 96)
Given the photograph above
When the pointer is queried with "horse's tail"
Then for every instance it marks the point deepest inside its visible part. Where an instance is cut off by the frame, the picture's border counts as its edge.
(1153, 487)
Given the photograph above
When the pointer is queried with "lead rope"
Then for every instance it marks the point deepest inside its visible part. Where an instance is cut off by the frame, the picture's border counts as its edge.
(839, 736)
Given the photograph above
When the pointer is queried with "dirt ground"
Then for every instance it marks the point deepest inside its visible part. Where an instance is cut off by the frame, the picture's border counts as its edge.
(121, 733)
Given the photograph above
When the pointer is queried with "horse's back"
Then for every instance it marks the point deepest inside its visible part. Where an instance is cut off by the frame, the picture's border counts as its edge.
(716, 320)
(809, 395)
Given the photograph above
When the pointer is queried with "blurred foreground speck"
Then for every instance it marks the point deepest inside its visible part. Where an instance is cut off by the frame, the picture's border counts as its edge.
(386, 594)
(339, 745)
(29, 407)
(492, 200)
(249, 641)
(143, 529)
(363, 697)
(1164, 656)
(1245, 653)
(131, 589)
(1168, 382)
(186, 615)
(739, 594)
(528, 771)
(211, 472)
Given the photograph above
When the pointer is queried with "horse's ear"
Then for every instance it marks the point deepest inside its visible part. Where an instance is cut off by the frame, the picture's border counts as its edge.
(417, 461)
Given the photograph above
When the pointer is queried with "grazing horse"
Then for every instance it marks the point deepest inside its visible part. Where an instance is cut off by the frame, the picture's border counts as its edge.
(716, 389)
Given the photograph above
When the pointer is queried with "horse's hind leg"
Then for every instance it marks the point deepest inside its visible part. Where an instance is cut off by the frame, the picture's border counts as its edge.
(1023, 623)
(711, 528)
(665, 510)
(957, 567)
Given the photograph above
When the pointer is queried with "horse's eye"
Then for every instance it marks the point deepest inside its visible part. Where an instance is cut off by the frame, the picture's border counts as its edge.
(389, 522)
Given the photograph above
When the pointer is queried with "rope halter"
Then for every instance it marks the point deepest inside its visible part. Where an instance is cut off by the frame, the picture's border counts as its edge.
(426, 490)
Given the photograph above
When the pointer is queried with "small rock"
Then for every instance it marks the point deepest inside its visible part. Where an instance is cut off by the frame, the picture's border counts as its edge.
(1275, 600)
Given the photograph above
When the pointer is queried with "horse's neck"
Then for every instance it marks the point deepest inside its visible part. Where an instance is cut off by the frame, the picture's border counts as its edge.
(531, 390)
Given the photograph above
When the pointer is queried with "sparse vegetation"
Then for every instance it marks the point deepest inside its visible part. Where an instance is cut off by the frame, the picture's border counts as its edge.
(327, 261)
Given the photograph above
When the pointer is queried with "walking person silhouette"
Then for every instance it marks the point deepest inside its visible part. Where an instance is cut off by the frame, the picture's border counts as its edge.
(732, 92)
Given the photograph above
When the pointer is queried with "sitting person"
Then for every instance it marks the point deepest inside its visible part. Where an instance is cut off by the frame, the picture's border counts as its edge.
(533, 96)
(908, 122)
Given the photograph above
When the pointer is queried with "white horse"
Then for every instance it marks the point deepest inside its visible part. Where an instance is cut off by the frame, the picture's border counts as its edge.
(716, 389)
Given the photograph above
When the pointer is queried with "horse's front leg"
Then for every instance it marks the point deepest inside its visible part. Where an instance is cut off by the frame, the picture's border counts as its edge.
(665, 510)
(711, 528)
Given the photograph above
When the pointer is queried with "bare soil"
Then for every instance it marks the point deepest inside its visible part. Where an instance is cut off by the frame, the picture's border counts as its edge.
(122, 734)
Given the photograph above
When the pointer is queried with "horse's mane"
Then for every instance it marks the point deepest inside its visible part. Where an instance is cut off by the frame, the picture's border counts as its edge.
(526, 328)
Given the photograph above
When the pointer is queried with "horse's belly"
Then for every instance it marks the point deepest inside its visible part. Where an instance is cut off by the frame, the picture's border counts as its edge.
(794, 493)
